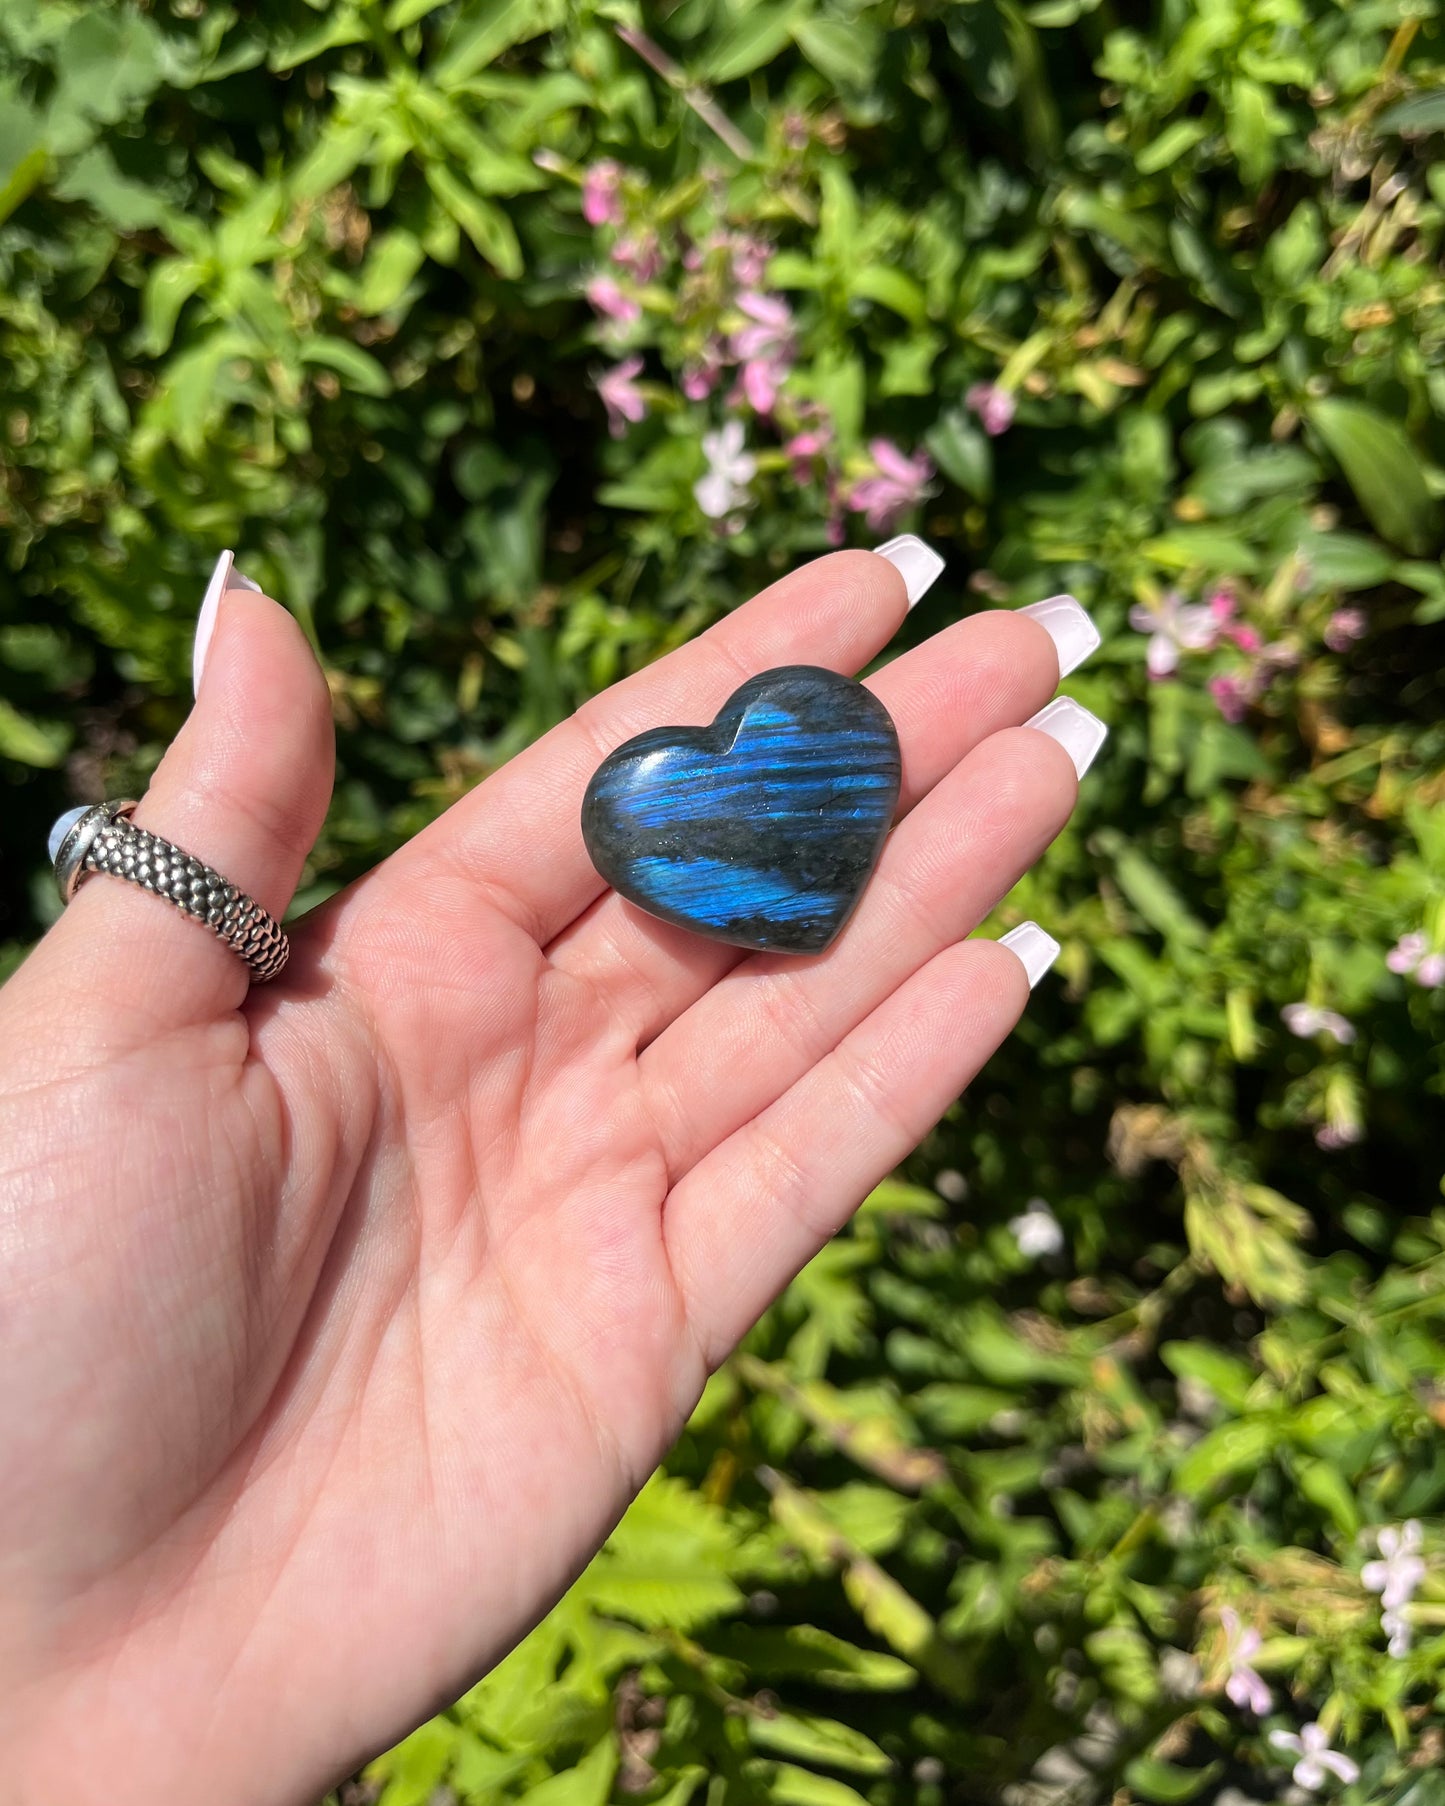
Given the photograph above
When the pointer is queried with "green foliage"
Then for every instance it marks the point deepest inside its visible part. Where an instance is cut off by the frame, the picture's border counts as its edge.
(307, 279)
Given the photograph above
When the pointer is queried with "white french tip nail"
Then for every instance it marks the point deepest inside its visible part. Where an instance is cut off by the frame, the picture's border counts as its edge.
(224, 576)
(918, 564)
(1076, 730)
(1036, 950)
(1068, 625)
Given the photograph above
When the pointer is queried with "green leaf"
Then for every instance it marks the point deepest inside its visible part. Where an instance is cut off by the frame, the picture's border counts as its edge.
(1170, 145)
(896, 1197)
(170, 284)
(1254, 124)
(1156, 899)
(1002, 1355)
(963, 452)
(1238, 1447)
(414, 1770)
(483, 29)
(1204, 549)
(391, 263)
(402, 13)
(1324, 1485)
(336, 26)
(802, 1652)
(588, 1784)
(110, 60)
(793, 1786)
(1382, 468)
(892, 289)
(1419, 114)
(845, 51)
(1165, 1782)
(752, 40)
(362, 371)
(820, 1740)
(483, 221)
(1227, 1376)
(1340, 560)
(124, 205)
(30, 742)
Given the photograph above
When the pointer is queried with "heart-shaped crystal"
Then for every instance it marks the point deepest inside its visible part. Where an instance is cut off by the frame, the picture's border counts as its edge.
(760, 829)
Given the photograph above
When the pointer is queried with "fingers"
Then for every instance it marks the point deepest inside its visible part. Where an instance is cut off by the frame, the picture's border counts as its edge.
(985, 673)
(744, 1220)
(244, 788)
(761, 1029)
(519, 835)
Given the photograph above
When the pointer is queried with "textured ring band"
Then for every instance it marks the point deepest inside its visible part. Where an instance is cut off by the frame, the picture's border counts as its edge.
(104, 839)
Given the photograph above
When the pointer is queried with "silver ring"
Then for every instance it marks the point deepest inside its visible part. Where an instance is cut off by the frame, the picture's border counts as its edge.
(105, 839)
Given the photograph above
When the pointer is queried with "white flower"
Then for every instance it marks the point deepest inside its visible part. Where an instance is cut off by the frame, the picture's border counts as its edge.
(729, 471)
(1316, 1758)
(1173, 627)
(1243, 1686)
(1395, 1577)
(1037, 1231)
(1306, 1019)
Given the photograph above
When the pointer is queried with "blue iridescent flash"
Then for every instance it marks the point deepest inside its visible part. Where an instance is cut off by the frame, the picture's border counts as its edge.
(761, 829)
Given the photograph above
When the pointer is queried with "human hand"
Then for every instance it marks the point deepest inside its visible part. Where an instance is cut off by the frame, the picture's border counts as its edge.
(340, 1320)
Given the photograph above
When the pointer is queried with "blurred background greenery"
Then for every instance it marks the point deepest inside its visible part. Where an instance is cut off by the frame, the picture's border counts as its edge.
(509, 342)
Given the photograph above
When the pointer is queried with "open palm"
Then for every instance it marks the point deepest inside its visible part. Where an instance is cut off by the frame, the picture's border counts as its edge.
(341, 1320)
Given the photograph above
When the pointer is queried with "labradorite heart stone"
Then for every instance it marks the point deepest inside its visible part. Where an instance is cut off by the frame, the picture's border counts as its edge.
(761, 829)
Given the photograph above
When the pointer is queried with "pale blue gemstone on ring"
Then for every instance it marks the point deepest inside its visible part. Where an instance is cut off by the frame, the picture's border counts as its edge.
(63, 825)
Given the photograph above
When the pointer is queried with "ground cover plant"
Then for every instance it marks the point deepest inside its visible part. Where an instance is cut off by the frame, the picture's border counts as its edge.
(510, 342)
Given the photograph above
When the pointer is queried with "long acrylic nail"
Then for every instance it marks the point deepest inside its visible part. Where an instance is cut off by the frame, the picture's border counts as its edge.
(1076, 730)
(1036, 950)
(918, 563)
(1068, 625)
(224, 576)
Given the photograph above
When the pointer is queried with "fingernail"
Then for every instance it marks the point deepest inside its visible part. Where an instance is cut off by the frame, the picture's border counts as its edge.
(224, 577)
(918, 563)
(1036, 950)
(1068, 625)
(1076, 730)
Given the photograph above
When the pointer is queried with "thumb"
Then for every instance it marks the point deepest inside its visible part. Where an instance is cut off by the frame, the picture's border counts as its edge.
(244, 788)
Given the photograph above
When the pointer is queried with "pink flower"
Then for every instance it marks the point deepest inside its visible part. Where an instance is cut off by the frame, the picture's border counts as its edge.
(611, 302)
(1233, 694)
(641, 256)
(771, 331)
(900, 484)
(750, 257)
(699, 379)
(1243, 1686)
(804, 447)
(1307, 1020)
(765, 349)
(601, 203)
(1406, 953)
(1332, 1136)
(1411, 955)
(1173, 627)
(994, 406)
(1345, 625)
(621, 396)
